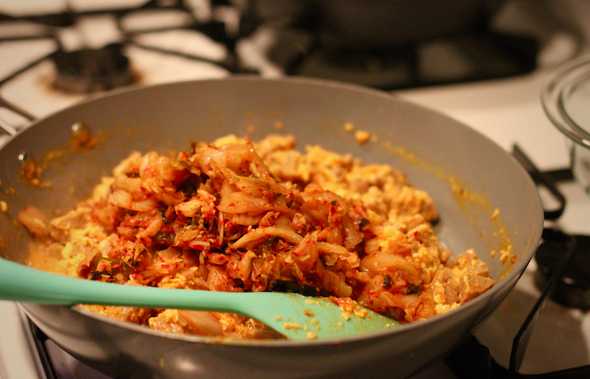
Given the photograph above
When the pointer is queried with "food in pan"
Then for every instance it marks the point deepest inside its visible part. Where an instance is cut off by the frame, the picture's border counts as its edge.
(234, 215)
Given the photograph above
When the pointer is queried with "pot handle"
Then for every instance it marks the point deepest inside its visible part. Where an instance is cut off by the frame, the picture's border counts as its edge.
(9, 129)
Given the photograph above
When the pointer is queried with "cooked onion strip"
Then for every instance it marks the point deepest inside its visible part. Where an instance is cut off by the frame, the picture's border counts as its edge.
(332, 248)
(339, 252)
(263, 233)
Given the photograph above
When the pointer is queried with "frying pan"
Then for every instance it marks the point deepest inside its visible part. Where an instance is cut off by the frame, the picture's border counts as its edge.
(169, 116)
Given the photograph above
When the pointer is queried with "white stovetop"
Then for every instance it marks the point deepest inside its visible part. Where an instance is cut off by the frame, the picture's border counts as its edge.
(507, 111)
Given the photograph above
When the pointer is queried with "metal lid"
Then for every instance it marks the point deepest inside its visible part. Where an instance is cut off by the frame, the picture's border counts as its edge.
(566, 101)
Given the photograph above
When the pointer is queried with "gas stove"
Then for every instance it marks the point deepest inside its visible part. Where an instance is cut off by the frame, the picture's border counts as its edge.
(57, 53)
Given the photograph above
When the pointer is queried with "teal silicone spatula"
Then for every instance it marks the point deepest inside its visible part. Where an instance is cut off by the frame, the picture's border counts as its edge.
(295, 316)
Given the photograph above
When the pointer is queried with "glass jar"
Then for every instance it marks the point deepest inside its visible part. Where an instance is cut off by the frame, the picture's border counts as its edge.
(566, 101)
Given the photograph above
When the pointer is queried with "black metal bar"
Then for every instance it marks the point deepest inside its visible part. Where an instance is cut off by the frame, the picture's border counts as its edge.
(226, 65)
(212, 29)
(560, 175)
(39, 340)
(140, 31)
(473, 360)
(26, 67)
(16, 109)
(541, 179)
(26, 38)
(520, 342)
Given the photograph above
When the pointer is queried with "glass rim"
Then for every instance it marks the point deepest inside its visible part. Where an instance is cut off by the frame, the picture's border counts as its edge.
(554, 98)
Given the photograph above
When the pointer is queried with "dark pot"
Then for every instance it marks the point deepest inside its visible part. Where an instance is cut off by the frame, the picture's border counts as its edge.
(379, 24)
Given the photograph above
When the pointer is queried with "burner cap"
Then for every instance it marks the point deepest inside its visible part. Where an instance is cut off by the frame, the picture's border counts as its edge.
(92, 70)
(573, 288)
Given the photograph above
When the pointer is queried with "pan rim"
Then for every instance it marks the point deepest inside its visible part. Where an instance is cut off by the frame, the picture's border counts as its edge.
(508, 280)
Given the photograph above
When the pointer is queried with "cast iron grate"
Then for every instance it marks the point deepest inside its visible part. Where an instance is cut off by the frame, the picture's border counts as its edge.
(87, 70)
(485, 54)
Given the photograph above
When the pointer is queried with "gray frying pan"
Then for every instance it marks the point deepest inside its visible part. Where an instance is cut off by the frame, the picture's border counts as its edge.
(169, 116)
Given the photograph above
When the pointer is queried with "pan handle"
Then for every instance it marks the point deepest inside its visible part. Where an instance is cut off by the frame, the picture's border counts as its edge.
(9, 129)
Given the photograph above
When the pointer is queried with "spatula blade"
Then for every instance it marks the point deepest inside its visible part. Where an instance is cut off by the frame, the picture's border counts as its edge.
(313, 318)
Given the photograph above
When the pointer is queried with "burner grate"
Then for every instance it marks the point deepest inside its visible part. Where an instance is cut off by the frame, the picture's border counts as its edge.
(89, 70)
(473, 360)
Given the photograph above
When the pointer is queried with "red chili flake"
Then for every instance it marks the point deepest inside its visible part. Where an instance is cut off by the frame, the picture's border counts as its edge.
(84, 271)
(197, 246)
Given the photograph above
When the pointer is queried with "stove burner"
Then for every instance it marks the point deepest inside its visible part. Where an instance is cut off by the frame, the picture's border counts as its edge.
(92, 70)
(573, 288)
(448, 60)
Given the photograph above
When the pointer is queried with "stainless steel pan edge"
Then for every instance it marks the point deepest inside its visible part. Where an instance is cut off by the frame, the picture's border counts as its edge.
(407, 347)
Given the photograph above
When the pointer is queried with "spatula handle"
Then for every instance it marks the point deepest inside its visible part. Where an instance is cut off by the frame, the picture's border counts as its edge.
(22, 283)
